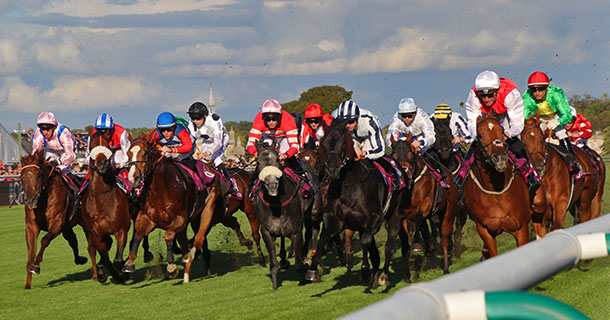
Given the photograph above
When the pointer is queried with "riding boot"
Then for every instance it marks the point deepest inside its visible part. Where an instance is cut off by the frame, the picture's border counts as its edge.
(458, 179)
(76, 204)
(573, 162)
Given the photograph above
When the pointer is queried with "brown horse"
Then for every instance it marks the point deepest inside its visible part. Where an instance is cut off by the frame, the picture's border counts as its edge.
(429, 201)
(169, 201)
(494, 192)
(555, 176)
(242, 178)
(589, 190)
(48, 201)
(104, 210)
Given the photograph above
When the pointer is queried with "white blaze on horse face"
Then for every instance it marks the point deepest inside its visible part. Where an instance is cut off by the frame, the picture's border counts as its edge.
(134, 156)
(491, 126)
(532, 133)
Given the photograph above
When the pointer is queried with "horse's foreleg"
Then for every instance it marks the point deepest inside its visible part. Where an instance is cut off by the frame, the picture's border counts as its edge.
(148, 256)
(522, 235)
(406, 251)
(297, 244)
(488, 240)
(142, 227)
(55, 227)
(256, 236)
(102, 247)
(68, 234)
(394, 225)
(273, 263)
(172, 269)
(92, 251)
(447, 230)
(31, 238)
(349, 235)
(121, 242)
(332, 226)
(365, 241)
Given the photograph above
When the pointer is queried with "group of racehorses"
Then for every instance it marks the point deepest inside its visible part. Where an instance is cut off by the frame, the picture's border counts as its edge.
(343, 193)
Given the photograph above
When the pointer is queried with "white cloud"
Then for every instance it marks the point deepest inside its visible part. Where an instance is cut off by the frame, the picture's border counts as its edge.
(76, 93)
(11, 57)
(96, 8)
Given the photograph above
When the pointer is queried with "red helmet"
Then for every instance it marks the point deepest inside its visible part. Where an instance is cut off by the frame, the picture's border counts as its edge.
(538, 79)
(313, 111)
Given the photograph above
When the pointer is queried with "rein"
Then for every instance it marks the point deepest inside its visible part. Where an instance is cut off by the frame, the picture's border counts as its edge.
(283, 203)
(546, 151)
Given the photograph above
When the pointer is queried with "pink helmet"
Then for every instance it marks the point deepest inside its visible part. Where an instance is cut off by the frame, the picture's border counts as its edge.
(271, 106)
(46, 118)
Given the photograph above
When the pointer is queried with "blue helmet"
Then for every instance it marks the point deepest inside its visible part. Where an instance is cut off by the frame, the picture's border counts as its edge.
(348, 110)
(104, 121)
(166, 120)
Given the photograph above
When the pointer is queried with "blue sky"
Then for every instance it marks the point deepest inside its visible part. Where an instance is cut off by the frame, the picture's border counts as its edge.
(135, 59)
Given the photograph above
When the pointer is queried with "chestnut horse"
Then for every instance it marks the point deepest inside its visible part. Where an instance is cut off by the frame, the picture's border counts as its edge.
(494, 192)
(358, 199)
(169, 201)
(589, 190)
(48, 202)
(555, 176)
(424, 204)
(104, 210)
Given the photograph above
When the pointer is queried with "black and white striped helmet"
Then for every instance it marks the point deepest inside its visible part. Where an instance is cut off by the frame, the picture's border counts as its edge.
(348, 110)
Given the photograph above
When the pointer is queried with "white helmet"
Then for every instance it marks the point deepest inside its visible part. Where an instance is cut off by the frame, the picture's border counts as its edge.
(573, 111)
(487, 80)
(407, 105)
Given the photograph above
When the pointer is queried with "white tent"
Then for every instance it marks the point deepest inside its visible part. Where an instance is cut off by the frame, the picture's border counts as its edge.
(9, 148)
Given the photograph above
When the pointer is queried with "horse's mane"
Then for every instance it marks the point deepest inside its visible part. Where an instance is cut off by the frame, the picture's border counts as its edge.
(333, 133)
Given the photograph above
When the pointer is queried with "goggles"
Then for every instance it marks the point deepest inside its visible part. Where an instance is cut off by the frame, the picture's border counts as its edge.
(407, 115)
(313, 120)
(46, 126)
(538, 88)
(271, 117)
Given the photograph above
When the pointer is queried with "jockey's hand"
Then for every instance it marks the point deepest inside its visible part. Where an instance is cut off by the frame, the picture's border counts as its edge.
(283, 156)
(361, 154)
(165, 149)
(506, 134)
(573, 134)
(53, 163)
(416, 144)
(204, 155)
(456, 140)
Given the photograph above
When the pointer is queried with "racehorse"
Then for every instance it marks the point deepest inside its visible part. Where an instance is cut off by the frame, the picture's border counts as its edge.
(104, 210)
(359, 200)
(428, 198)
(169, 201)
(589, 190)
(48, 201)
(279, 206)
(495, 193)
(451, 157)
(242, 178)
(555, 176)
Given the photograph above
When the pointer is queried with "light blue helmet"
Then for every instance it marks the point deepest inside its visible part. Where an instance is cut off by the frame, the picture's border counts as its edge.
(407, 105)
(166, 120)
(348, 110)
(104, 121)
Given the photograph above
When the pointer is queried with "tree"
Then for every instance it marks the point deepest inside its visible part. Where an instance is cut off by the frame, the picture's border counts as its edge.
(328, 97)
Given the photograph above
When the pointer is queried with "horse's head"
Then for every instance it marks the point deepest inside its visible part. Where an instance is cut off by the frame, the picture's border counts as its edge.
(139, 161)
(268, 167)
(312, 158)
(32, 177)
(443, 144)
(336, 148)
(406, 155)
(100, 156)
(533, 140)
(492, 142)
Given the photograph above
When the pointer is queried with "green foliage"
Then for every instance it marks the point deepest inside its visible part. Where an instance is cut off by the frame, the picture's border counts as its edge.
(328, 97)
(597, 110)
(136, 132)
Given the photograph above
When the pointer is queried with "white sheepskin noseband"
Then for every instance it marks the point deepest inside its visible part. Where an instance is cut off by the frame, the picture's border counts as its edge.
(270, 170)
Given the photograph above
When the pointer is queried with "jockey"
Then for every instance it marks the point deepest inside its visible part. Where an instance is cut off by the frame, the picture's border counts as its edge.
(213, 136)
(552, 104)
(118, 139)
(457, 123)
(274, 124)
(315, 124)
(59, 143)
(501, 96)
(409, 119)
(368, 136)
(579, 130)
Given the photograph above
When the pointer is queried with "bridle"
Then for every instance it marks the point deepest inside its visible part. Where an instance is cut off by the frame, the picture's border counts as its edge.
(546, 150)
(495, 142)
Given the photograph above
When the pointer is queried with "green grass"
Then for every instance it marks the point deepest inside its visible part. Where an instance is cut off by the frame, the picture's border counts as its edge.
(238, 288)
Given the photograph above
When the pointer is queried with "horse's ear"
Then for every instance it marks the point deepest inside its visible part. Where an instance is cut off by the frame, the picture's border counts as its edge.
(537, 116)
(392, 141)
(321, 153)
(40, 154)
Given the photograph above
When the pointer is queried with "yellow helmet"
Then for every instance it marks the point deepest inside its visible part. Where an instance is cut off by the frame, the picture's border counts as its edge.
(442, 111)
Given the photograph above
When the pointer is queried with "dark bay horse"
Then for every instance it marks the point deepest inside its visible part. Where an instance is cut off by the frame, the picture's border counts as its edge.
(359, 200)
(169, 201)
(105, 211)
(48, 202)
(451, 157)
(555, 175)
(495, 193)
(279, 205)
(589, 190)
(429, 201)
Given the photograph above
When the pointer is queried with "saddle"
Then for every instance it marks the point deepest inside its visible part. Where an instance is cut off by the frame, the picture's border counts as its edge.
(200, 184)
(306, 189)
(392, 181)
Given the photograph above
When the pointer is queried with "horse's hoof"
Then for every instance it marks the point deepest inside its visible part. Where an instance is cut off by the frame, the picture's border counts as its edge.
(383, 280)
(284, 264)
(118, 264)
(101, 278)
(148, 257)
(172, 271)
(34, 269)
(80, 260)
(417, 247)
(128, 268)
(312, 275)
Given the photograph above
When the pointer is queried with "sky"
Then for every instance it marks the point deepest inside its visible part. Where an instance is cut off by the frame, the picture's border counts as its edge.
(135, 59)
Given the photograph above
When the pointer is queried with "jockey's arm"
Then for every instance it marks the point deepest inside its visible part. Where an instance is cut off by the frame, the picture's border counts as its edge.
(68, 156)
(473, 110)
(515, 112)
(120, 156)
